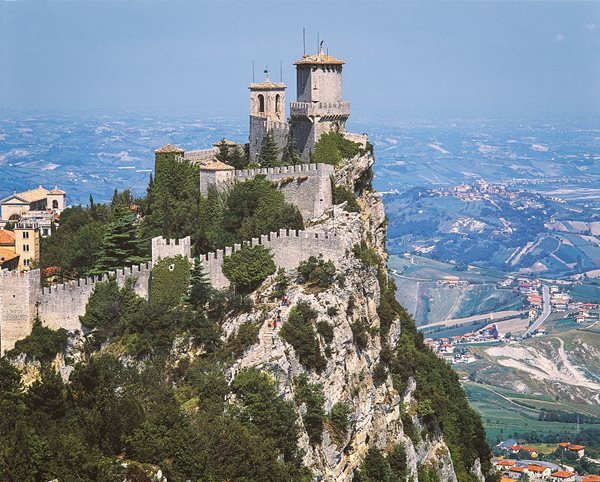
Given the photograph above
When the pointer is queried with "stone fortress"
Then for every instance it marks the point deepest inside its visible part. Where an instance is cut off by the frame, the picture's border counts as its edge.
(319, 108)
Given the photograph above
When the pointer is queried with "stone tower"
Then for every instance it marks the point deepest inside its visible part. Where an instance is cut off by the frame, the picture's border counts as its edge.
(319, 106)
(267, 112)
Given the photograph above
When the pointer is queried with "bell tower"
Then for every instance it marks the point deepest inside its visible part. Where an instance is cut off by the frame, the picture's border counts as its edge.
(267, 112)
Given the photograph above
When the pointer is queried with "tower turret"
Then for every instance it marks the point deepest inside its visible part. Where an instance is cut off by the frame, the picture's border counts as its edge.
(319, 106)
(267, 112)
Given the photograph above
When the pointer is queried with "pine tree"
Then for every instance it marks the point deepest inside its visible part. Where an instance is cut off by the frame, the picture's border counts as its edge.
(120, 245)
(223, 155)
(269, 152)
(238, 159)
(200, 289)
(291, 156)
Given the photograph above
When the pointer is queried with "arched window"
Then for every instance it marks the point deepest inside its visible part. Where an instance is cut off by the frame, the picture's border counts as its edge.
(261, 103)
(277, 103)
(55, 204)
(15, 217)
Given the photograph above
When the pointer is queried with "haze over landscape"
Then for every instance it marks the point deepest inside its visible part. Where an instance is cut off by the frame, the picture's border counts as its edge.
(483, 123)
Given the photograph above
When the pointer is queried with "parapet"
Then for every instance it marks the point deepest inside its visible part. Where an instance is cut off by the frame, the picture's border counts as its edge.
(168, 248)
(299, 169)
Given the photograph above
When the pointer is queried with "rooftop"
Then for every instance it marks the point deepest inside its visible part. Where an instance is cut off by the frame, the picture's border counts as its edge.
(170, 148)
(216, 166)
(7, 237)
(267, 85)
(7, 255)
(320, 59)
(562, 474)
(57, 191)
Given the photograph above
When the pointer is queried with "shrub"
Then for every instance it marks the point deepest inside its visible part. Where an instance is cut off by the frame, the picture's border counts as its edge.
(299, 332)
(398, 462)
(325, 330)
(332, 147)
(311, 395)
(340, 417)
(239, 342)
(332, 311)
(41, 344)
(170, 281)
(341, 194)
(366, 255)
(379, 373)
(317, 271)
(249, 267)
(359, 333)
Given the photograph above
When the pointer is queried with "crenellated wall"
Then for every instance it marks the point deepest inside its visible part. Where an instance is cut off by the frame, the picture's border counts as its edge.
(169, 248)
(289, 248)
(22, 298)
(307, 186)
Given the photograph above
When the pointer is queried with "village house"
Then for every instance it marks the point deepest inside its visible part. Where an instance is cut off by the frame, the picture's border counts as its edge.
(39, 200)
(590, 478)
(9, 259)
(562, 476)
(538, 471)
(579, 450)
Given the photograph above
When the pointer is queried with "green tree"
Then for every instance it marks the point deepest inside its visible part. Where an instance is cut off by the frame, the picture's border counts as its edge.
(269, 152)
(332, 147)
(291, 156)
(311, 395)
(299, 332)
(249, 267)
(120, 246)
(340, 417)
(200, 288)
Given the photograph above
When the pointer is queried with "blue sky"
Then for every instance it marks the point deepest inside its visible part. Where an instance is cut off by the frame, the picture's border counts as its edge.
(404, 59)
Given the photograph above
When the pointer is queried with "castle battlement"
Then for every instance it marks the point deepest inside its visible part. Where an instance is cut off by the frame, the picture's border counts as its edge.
(307, 169)
(289, 248)
(320, 109)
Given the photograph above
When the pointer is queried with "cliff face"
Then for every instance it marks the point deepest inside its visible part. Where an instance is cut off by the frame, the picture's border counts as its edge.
(349, 377)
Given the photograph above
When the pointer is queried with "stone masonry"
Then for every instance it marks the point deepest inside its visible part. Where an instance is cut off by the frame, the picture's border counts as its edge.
(289, 248)
(22, 299)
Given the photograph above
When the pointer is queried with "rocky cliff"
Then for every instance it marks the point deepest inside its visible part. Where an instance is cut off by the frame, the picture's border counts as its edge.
(350, 376)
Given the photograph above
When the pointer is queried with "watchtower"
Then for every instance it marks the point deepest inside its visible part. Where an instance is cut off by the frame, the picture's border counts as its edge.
(267, 112)
(319, 106)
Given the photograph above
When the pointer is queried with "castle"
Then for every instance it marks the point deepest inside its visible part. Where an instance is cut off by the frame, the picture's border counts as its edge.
(319, 108)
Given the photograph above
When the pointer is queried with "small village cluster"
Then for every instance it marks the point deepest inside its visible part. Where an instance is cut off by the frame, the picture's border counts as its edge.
(25, 218)
(513, 469)
(450, 348)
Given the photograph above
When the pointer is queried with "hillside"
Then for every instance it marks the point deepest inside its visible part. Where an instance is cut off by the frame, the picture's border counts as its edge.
(342, 388)
(495, 227)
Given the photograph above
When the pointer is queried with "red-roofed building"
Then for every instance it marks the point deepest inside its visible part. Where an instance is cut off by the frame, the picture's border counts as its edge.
(503, 464)
(590, 478)
(562, 476)
(539, 470)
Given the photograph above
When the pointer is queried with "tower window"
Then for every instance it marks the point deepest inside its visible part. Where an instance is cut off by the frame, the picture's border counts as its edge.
(55, 204)
(277, 103)
(25, 234)
(26, 248)
(261, 103)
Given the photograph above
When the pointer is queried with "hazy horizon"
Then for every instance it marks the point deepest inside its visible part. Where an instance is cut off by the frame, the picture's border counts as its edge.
(404, 60)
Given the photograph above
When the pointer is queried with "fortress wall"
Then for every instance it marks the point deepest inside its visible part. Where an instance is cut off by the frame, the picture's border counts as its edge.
(62, 305)
(19, 295)
(289, 248)
(307, 186)
(22, 298)
(259, 126)
(169, 248)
